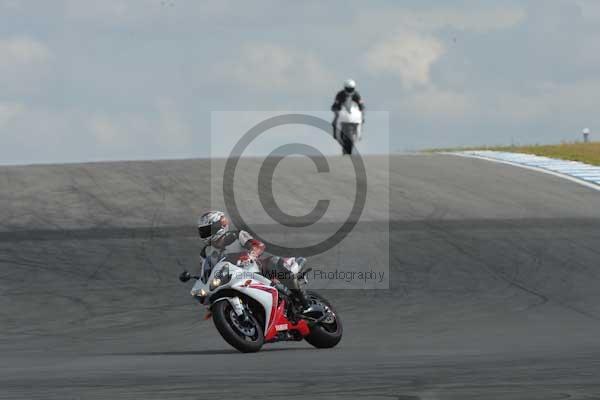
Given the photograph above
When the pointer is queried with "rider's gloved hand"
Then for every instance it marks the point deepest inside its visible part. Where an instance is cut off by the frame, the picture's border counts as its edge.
(245, 259)
(185, 276)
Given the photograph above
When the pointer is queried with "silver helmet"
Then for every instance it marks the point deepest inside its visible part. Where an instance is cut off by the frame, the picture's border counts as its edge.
(212, 225)
(349, 85)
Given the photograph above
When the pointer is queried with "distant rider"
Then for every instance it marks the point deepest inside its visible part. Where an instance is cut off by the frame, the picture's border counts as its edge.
(218, 240)
(340, 99)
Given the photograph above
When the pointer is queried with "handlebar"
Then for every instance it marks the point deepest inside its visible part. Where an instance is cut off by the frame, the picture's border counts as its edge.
(186, 276)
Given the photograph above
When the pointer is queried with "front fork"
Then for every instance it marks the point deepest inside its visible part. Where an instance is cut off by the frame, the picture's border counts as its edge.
(235, 302)
(237, 305)
(238, 308)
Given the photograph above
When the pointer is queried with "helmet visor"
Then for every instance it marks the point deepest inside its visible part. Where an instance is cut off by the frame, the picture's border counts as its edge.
(349, 89)
(207, 231)
(204, 231)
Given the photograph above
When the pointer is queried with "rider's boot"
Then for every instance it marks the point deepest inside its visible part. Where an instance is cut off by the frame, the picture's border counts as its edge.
(290, 288)
(298, 294)
(308, 309)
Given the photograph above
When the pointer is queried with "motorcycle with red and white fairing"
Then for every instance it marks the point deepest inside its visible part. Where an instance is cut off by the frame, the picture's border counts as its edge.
(248, 310)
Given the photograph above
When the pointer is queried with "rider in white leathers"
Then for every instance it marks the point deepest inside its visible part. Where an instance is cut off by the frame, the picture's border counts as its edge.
(218, 240)
(340, 99)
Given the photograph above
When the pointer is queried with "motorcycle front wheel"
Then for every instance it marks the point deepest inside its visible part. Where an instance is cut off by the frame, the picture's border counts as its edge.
(348, 137)
(246, 336)
(327, 333)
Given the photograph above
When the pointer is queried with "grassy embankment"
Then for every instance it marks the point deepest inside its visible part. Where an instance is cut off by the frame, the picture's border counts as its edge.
(588, 153)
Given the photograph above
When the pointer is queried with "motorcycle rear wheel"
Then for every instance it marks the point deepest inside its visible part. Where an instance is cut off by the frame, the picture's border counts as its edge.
(223, 316)
(324, 335)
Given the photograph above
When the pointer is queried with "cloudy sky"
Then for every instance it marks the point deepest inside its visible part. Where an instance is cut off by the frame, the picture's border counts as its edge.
(132, 79)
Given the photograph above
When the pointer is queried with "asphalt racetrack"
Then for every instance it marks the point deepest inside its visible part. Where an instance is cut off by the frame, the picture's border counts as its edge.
(494, 287)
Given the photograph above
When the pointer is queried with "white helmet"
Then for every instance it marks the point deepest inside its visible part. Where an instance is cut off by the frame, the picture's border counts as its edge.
(349, 85)
(212, 225)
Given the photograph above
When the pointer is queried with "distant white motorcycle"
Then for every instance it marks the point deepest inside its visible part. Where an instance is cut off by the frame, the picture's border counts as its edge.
(249, 311)
(348, 129)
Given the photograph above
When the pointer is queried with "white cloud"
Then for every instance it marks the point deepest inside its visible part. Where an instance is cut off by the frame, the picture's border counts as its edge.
(409, 56)
(105, 130)
(148, 14)
(412, 45)
(173, 129)
(45, 134)
(23, 63)
(35, 133)
(476, 18)
(273, 67)
(119, 131)
(590, 9)
(9, 111)
(575, 102)
(166, 128)
(482, 19)
(11, 4)
(16, 52)
(110, 12)
(435, 103)
(572, 104)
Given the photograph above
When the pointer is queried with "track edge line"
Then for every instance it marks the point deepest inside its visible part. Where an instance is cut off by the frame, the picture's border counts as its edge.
(537, 169)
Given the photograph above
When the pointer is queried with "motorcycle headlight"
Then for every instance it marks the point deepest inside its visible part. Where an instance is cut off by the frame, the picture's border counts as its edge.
(221, 278)
(199, 293)
(215, 283)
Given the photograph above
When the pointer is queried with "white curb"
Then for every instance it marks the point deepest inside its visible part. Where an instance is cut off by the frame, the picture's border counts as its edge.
(574, 171)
